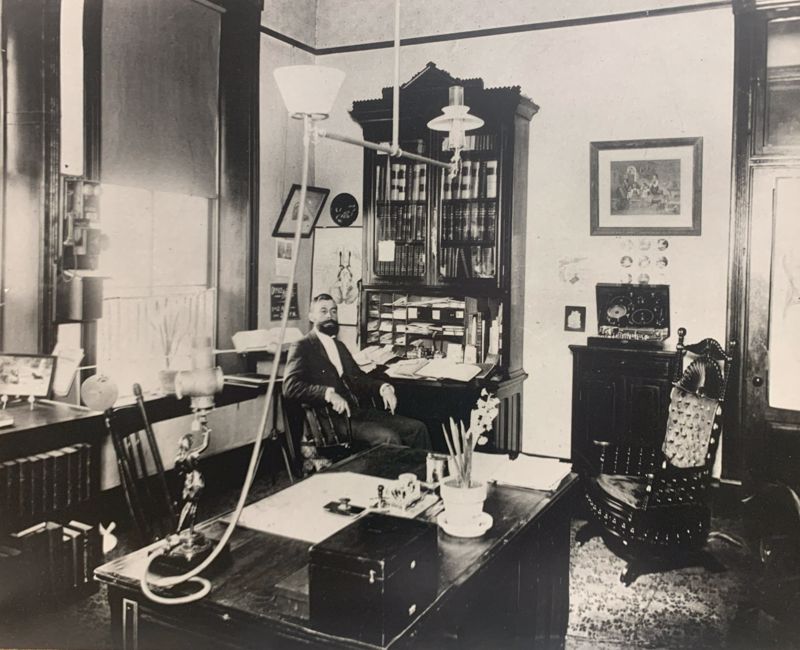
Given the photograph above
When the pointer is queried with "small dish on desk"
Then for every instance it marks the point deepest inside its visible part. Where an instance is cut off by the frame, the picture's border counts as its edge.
(476, 529)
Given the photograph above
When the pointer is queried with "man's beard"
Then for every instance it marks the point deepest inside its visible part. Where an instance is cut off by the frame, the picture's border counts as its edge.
(329, 327)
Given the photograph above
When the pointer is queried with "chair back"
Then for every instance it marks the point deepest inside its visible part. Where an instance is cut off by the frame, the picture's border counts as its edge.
(141, 470)
(328, 428)
(695, 411)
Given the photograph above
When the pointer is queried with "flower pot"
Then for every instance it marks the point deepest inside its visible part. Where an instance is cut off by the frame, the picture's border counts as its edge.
(463, 505)
(167, 380)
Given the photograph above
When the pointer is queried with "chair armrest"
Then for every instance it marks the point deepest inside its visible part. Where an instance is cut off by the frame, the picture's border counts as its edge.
(630, 460)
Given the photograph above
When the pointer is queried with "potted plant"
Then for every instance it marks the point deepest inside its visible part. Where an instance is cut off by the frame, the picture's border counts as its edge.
(167, 324)
(462, 495)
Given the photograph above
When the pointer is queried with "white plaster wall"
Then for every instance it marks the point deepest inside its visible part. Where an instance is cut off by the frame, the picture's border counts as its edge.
(659, 77)
(346, 22)
(281, 157)
(295, 18)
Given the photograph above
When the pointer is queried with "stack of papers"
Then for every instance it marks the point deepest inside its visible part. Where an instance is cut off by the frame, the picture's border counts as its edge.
(374, 355)
(299, 510)
(532, 472)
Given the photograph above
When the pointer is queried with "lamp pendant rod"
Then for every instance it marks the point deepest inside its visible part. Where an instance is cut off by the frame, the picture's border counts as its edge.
(385, 148)
(396, 90)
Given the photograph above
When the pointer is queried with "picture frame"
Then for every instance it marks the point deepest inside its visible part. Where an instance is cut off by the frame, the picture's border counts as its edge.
(337, 269)
(315, 201)
(646, 187)
(574, 318)
(26, 374)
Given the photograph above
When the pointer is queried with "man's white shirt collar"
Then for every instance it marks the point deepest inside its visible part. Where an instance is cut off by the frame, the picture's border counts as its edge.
(329, 343)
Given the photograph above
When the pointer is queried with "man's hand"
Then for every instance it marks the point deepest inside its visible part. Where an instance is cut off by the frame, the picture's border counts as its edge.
(337, 402)
(389, 398)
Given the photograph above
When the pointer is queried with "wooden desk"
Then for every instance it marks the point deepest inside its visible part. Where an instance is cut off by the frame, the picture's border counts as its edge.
(509, 588)
(435, 401)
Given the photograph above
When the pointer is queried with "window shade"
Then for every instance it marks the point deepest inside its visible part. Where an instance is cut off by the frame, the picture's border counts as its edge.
(160, 87)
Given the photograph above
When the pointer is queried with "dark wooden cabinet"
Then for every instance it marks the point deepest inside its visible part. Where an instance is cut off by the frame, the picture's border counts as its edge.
(444, 257)
(620, 395)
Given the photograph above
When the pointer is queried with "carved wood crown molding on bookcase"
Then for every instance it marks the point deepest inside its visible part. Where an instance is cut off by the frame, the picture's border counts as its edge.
(508, 29)
(432, 82)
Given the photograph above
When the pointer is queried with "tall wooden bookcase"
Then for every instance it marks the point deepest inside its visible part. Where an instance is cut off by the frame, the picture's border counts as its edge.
(445, 258)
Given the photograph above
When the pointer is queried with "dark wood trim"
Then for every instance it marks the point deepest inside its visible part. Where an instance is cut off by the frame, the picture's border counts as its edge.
(733, 448)
(289, 40)
(52, 150)
(498, 31)
(92, 44)
(237, 278)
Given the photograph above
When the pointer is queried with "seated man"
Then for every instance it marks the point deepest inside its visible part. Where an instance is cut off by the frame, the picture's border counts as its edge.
(320, 370)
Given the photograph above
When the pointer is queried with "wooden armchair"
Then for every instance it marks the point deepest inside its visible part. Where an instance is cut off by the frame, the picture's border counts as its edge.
(652, 504)
(141, 471)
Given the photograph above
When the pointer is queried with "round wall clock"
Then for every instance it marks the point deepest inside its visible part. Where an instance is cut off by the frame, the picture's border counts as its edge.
(344, 209)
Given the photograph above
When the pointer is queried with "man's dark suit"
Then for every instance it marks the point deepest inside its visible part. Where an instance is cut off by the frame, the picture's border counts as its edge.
(309, 373)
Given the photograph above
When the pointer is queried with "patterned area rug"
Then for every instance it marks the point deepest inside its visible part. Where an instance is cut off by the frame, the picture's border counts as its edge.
(685, 608)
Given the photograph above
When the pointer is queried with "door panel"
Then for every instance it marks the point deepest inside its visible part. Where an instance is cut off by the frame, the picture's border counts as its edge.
(601, 421)
(646, 408)
(771, 362)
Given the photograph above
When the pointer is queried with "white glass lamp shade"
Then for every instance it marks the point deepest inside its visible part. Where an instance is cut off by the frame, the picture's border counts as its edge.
(308, 89)
(456, 120)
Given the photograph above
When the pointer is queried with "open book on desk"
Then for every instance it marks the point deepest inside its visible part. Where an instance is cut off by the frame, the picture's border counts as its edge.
(406, 368)
(449, 369)
(532, 472)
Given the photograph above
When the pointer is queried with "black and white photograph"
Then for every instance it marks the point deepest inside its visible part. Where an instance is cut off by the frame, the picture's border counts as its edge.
(519, 370)
(646, 187)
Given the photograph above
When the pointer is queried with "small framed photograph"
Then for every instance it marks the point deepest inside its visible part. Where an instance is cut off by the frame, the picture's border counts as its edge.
(287, 221)
(26, 374)
(646, 187)
(574, 319)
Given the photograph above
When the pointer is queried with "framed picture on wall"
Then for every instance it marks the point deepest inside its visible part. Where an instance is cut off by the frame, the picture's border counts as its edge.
(646, 187)
(26, 374)
(337, 269)
(287, 220)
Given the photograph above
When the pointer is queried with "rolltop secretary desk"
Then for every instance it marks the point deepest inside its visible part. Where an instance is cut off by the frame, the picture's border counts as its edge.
(445, 257)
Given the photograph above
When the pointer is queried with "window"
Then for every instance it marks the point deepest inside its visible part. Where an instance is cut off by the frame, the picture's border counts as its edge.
(158, 295)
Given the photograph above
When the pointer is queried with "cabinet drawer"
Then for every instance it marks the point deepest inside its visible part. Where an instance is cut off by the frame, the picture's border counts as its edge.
(616, 365)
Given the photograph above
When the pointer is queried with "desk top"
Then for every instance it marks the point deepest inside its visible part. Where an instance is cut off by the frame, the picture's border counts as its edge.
(248, 590)
(56, 423)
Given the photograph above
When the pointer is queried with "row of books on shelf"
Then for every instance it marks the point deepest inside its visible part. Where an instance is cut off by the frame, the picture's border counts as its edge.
(401, 181)
(403, 260)
(48, 561)
(468, 262)
(402, 221)
(475, 142)
(477, 179)
(36, 485)
(474, 221)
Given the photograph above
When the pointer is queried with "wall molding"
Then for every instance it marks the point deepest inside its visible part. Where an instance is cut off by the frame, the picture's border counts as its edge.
(498, 31)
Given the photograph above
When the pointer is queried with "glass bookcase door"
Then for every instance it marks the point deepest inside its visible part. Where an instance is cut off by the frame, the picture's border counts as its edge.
(401, 217)
(468, 213)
